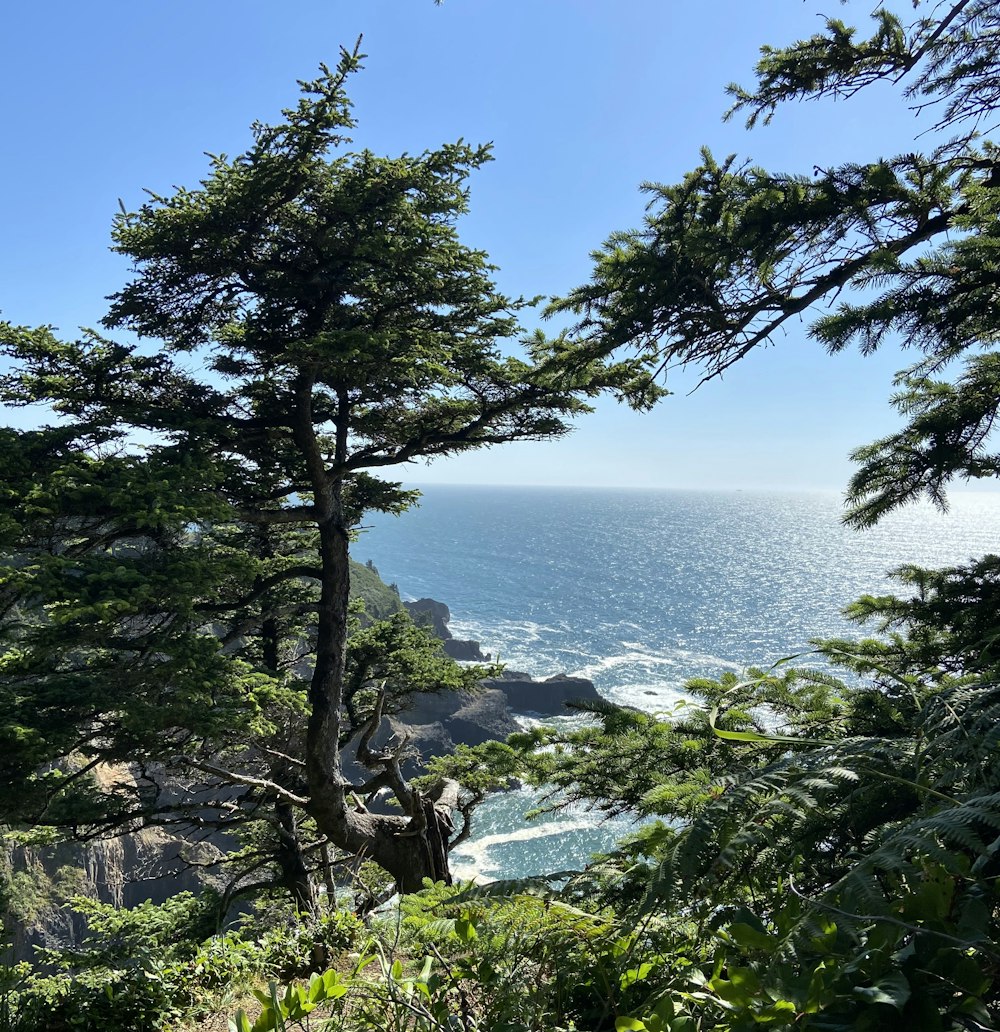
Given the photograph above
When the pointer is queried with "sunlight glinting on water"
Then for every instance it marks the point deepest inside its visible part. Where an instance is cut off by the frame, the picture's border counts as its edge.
(640, 591)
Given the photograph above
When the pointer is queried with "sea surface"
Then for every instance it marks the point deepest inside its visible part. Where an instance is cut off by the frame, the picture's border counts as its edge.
(639, 591)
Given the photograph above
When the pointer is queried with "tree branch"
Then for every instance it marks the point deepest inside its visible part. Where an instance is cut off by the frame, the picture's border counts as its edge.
(291, 573)
(232, 777)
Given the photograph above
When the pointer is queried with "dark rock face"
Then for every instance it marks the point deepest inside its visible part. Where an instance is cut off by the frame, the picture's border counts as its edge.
(464, 649)
(428, 612)
(436, 723)
(548, 697)
(467, 719)
(149, 864)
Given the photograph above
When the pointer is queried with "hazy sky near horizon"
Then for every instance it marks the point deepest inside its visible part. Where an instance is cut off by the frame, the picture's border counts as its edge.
(582, 99)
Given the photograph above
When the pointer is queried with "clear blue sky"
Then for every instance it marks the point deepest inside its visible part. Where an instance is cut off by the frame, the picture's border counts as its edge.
(583, 100)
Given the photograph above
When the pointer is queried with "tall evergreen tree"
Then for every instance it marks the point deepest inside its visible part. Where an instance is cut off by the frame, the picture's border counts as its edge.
(176, 548)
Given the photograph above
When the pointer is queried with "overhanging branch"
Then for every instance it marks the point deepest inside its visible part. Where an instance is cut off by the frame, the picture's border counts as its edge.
(271, 787)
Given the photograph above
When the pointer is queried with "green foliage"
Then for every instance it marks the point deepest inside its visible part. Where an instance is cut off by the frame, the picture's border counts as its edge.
(852, 877)
(627, 761)
(118, 936)
(380, 600)
(154, 966)
(821, 850)
(944, 59)
(133, 971)
(459, 958)
(815, 971)
(398, 658)
(293, 946)
(835, 839)
(293, 1005)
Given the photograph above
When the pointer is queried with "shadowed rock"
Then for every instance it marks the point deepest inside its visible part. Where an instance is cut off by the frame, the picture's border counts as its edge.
(428, 612)
(548, 697)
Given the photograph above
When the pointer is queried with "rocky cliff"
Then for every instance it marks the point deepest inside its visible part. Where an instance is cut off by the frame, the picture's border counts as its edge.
(381, 600)
(145, 865)
(436, 723)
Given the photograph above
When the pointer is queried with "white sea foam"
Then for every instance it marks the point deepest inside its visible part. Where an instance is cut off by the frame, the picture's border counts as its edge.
(473, 859)
(564, 721)
(704, 659)
(688, 664)
(661, 700)
(500, 630)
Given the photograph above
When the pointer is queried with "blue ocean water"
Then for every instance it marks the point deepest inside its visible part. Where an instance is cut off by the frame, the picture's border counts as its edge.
(641, 590)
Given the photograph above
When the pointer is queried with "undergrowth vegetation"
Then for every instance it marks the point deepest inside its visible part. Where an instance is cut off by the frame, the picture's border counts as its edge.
(153, 967)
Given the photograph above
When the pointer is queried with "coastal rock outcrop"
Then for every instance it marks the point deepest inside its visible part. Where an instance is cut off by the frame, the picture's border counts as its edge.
(430, 613)
(467, 719)
(548, 697)
(436, 723)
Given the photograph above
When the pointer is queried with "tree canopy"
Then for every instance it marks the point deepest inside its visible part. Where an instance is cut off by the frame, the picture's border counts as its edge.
(900, 247)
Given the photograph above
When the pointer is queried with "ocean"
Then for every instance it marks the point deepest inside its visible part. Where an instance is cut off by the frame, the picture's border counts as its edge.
(640, 590)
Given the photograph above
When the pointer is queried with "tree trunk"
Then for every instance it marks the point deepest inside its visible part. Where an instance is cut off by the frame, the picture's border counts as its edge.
(419, 849)
(409, 848)
(295, 874)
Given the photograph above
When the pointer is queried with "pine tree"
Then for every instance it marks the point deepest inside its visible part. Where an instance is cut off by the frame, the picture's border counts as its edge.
(176, 547)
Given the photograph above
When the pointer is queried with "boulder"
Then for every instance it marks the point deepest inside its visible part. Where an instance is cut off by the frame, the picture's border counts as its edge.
(436, 723)
(464, 649)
